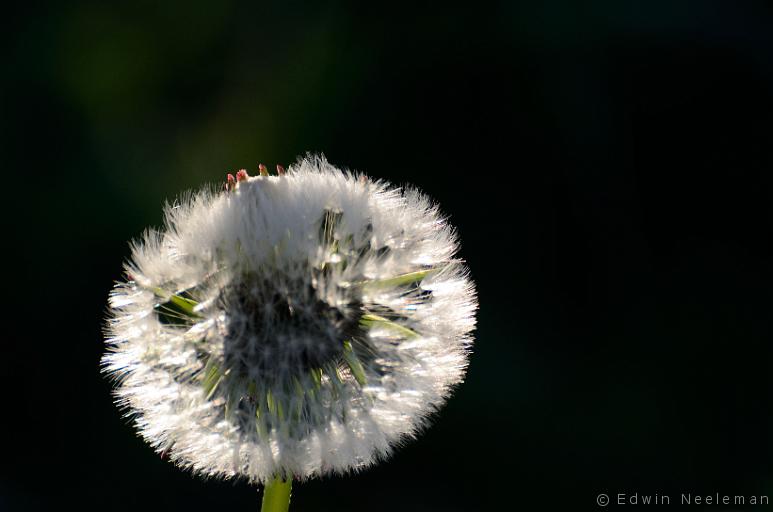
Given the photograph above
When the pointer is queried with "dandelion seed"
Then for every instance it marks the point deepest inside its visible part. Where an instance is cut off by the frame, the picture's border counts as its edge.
(293, 326)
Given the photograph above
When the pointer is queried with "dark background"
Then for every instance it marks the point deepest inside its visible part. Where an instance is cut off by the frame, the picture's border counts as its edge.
(608, 166)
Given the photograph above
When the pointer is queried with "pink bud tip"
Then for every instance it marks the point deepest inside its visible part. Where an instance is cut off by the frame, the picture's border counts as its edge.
(230, 181)
(263, 170)
(280, 170)
(242, 175)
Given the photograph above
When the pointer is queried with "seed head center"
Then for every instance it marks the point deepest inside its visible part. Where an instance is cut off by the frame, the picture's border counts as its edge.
(278, 329)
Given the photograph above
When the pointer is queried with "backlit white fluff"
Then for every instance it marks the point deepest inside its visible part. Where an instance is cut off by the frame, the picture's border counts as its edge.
(299, 324)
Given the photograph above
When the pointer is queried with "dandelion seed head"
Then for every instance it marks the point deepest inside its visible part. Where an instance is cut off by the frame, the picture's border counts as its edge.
(301, 324)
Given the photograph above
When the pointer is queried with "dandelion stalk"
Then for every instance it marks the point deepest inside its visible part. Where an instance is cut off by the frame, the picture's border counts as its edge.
(276, 495)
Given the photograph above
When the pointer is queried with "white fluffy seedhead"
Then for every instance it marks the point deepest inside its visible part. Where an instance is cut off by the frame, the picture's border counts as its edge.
(298, 324)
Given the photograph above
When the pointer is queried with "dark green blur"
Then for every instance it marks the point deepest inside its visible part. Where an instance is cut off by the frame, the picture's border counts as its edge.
(608, 166)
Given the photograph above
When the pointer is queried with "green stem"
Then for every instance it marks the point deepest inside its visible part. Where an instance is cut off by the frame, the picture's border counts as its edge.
(276, 495)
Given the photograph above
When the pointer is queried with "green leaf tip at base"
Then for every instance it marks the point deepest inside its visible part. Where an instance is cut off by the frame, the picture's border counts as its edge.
(212, 378)
(176, 306)
(401, 280)
(186, 305)
(354, 364)
(276, 495)
(370, 320)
